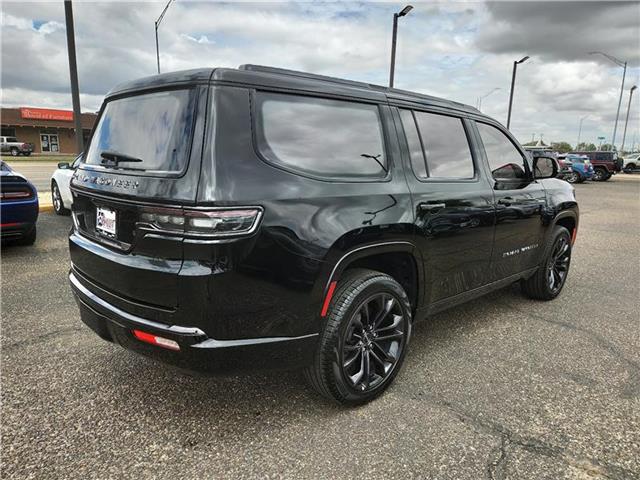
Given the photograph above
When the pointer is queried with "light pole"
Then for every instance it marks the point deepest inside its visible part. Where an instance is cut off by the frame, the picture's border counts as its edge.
(580, 130)
(394, 36)
(485, 96)
(624, 135)
(622, 64)
(73, 74)
(513, 82)
(157, 24)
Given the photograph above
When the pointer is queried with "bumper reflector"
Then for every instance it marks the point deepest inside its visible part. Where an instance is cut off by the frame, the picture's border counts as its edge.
(155, 340)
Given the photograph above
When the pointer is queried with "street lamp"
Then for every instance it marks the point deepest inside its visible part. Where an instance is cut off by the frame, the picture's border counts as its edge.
(485, 96)
(622, 64)
(580, 130)
(157, 24)
(624, 135)
(513, 81)
(402, 13)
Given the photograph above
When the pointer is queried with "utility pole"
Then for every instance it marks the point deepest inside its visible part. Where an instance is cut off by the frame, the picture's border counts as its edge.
(73, 74)
(580, 130)
(626, 122)
(623, 65)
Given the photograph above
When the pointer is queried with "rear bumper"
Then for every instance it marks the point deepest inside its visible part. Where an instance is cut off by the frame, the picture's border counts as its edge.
(197, 351)
(15, 230)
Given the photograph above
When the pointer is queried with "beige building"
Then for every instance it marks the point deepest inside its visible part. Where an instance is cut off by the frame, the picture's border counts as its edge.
(50, 131)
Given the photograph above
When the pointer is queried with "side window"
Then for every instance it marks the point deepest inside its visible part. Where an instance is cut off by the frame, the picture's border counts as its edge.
(321, 137)
(438, 145)
(505, 160)
(416, 154)
(446, 146)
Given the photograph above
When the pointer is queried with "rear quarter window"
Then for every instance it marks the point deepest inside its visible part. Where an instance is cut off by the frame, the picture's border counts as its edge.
(319, 137)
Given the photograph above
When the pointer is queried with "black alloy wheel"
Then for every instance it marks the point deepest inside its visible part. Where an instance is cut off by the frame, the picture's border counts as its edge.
(363, 340)
(374, 341)
(558, 265)
(547, 282)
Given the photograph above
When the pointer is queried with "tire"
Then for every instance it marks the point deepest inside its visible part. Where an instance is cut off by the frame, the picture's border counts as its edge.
(600, 175)
(29, 238)
(26, 154)
(573, 177)
(629, 168)
(557, 256)
(14, 152)
(607, 177)
(346, 346)
(56, 199)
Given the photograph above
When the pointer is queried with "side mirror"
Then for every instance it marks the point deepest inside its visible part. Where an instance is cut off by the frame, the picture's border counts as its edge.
(545, 167)
(63, 165)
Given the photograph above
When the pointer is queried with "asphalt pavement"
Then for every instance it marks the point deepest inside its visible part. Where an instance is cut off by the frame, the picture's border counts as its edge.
(503, 387)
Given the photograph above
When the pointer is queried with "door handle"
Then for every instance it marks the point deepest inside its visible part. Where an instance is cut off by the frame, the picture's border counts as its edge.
(506, 201)
(430, 207)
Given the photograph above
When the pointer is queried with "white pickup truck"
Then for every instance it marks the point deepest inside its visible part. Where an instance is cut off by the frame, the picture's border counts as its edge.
(14, 147)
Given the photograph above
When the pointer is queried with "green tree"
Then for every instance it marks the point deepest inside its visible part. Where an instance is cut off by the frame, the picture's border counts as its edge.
(606, 147)
(561, 147)
(586, 147)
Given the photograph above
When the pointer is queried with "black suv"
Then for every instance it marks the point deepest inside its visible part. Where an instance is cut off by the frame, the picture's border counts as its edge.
(259, 217)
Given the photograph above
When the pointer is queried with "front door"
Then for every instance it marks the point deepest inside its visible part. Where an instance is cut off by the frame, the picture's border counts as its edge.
(452, 200)
(520, 204)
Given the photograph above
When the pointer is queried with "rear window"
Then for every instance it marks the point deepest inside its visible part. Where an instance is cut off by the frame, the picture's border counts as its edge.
(319, 137)
(150, 132)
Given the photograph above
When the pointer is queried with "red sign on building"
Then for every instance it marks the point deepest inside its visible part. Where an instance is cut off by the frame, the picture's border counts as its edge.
(46, 114)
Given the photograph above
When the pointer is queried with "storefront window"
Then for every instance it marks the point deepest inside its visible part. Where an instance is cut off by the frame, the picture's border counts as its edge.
(49, 142)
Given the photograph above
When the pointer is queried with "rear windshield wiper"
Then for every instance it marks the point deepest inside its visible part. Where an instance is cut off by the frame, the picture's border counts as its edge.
(115, 158)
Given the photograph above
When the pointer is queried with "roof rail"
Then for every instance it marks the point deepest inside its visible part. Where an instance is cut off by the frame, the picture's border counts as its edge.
(296, 73)
(353, 83)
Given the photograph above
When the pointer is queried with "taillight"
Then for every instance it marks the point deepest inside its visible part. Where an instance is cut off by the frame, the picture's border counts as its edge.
(221, 222)
(15, 192)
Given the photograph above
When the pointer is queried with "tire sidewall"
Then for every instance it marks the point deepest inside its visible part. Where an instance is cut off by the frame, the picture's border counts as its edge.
(58, 209)
(559, 232)
(370, 288)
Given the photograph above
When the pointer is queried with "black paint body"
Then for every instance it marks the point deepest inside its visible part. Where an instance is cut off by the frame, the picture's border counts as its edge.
(256, 301)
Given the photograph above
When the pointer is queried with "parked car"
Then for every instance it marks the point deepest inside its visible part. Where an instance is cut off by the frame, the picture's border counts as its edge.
(14, 147)
(581, 168)
(308, 229)
(60, 186)
(631, 163)
(565, 167)
(605, 164)
(18, 207)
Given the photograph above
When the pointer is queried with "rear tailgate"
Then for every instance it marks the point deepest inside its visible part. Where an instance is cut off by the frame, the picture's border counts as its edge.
(141, 158)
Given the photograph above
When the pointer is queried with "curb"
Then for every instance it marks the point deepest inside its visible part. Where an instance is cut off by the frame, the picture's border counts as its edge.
(45, 208)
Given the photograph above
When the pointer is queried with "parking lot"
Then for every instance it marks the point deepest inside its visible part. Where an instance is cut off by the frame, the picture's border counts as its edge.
(503, 387)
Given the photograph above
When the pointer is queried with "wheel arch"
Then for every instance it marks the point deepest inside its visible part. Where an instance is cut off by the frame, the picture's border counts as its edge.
(567, 219)
(400, 259)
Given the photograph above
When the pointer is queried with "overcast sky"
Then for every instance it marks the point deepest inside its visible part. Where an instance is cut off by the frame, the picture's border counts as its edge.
(455, 50)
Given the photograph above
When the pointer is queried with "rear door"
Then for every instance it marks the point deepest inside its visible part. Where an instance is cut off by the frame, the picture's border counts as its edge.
(520, 203)
(141, 160)
(452, 200)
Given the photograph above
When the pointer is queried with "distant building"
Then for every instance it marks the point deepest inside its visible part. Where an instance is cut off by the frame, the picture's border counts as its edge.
(51, 131)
